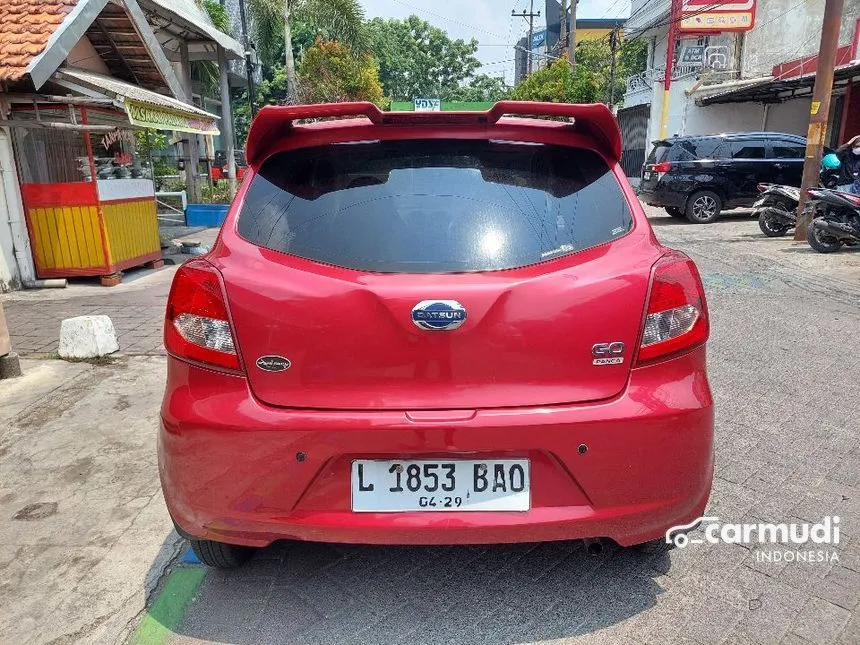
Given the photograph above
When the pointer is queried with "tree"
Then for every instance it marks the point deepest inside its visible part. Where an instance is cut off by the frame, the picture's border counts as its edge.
(560, 82)
(273, 22)
(482, 88)
(596, 55)
(330, 72)
(417, 59)
(217, 14)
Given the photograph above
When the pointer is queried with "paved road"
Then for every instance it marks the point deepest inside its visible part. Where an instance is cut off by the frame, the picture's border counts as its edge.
(782, 357)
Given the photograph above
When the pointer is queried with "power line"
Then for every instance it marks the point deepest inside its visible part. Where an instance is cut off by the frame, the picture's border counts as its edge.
(498, 62)
(611, 7)
(447, 19)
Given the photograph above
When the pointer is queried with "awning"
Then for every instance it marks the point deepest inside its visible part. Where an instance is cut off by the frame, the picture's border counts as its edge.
(144, 108)
(771, 90)
(185, 18)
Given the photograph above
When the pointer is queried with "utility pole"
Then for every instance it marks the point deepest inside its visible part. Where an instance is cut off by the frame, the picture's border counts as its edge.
(674, 17)
(562, 28)
(820, 109)
(613, 48)
(249, 65)
(571, 51)
(530, 15)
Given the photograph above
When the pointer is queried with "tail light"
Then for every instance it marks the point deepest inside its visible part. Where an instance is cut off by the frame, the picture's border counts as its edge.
(197, 325)
(676, 320)
(664, 166)
(762, 187)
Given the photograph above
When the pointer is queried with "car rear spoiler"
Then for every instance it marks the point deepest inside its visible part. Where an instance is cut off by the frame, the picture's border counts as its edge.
(272, 122)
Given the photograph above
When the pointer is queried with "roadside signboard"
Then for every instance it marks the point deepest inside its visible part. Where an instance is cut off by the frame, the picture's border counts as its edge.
(427, 105)
(717, 15)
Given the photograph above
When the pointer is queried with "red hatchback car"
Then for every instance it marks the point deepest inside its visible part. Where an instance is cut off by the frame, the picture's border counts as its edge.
(434, 328)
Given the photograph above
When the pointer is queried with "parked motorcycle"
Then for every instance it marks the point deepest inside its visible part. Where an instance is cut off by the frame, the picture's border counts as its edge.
(776, 208)
(836, 220)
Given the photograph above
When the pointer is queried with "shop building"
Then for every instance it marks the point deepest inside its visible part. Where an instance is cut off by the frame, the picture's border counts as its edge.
(757, 77)
(80, 82)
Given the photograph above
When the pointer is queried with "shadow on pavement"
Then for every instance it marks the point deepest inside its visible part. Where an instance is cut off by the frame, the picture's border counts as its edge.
(316, 593)
(806, 249)
(729, 217)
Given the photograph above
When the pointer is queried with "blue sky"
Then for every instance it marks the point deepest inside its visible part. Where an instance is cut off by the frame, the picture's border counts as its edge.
(489, 21)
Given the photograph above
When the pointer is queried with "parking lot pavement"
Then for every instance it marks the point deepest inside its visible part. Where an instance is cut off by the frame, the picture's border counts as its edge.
(136, 307)
(84, 535)
(784, 361)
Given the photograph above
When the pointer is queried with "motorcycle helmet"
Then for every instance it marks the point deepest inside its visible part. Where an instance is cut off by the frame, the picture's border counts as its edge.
(830, 162)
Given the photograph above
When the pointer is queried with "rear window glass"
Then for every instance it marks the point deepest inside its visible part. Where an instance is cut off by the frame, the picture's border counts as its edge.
(748, 150)
(787, 150)
(673, 151)
(433, 206)
(711, 149)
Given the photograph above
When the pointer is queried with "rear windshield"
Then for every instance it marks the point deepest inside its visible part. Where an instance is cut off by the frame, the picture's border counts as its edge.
(689, 150)
(433, 206)
(672, 151)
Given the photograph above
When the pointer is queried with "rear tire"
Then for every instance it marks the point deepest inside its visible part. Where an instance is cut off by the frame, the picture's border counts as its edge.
(221, 555)
(704, 207)
(674, 211)
(821, 241)
(770, 226)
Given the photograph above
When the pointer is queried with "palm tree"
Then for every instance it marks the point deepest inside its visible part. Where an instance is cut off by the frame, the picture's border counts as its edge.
(342, 19)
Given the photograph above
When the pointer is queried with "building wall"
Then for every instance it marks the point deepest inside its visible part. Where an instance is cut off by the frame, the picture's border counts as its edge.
(791, 116)
(591, 34)
(85, 56)
(852, 113)
(9, 275)
(686, 118)
(784, 31)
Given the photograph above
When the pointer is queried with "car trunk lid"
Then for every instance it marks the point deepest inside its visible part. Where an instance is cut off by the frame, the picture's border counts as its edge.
(528, 338)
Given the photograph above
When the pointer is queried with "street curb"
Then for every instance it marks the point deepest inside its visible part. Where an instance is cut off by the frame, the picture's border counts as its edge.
(165, 614)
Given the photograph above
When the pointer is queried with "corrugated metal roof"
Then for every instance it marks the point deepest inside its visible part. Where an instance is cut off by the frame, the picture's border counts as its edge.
(769, 89)
(193, 19)
(122, 90)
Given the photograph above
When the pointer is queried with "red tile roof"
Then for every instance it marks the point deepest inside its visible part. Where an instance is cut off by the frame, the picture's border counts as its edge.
(25, 27)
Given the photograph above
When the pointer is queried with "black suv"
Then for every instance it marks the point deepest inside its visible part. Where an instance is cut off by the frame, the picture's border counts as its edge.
(697, 177)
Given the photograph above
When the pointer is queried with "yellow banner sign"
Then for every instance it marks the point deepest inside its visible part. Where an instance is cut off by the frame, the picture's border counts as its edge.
(150, 116)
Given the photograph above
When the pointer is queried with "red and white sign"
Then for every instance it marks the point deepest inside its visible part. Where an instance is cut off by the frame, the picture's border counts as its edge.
(717, 15)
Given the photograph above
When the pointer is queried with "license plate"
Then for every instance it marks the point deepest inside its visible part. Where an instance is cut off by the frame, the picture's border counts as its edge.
(440, 485)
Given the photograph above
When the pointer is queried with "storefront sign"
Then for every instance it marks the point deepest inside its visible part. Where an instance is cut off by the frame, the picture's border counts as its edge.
(693, 55)
(717, 15)
(149, 116)
(118, 136)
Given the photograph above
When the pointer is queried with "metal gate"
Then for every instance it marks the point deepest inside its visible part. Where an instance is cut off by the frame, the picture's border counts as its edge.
(634, 138)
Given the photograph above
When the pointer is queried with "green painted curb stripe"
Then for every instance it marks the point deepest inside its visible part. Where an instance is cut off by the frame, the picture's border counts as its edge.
(168, 609)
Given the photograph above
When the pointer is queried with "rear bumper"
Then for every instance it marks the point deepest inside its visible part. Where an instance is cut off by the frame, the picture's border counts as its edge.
(237, 471)
(661, 196)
